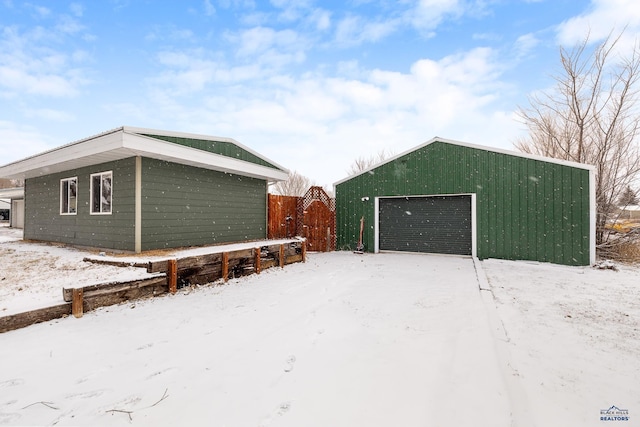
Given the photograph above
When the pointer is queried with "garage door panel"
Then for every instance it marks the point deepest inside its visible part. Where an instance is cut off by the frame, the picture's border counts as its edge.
(437, 224)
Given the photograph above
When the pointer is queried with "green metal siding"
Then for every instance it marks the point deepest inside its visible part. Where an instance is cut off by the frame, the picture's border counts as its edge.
(188, 206)
(526, 209)
(115, 231)
(223, 148)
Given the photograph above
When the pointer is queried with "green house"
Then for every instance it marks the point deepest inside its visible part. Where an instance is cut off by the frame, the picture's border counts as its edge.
(136, 189)
(450, 197)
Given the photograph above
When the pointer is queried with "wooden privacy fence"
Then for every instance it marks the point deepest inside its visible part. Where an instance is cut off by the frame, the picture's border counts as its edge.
(282, 217)
(312, 216)
(167, 276)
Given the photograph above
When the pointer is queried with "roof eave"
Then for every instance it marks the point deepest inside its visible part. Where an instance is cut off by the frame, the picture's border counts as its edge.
(12, 193)
(129, 142)
(474, 146)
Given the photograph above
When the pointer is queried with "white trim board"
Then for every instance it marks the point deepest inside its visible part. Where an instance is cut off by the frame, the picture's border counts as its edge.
(128, 142)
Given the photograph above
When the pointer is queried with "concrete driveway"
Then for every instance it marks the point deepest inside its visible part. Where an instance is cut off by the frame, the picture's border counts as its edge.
(343, 340)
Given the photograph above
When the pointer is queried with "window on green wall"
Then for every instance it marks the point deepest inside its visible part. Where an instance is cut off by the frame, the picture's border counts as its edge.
(101, 191)
(68, 196)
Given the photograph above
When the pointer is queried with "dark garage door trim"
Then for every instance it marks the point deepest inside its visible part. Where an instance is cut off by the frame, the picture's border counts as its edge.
(472, 213)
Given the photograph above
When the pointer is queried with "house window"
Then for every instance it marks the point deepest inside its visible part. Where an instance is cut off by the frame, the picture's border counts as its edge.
(101, 193)
(68, 196)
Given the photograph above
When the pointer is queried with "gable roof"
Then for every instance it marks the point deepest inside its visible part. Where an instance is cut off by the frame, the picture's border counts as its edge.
(208, 152)
(474, 146)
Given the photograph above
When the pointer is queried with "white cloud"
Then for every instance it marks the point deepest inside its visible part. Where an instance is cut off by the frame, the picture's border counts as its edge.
(602, 17)
(255, 41)
(19, 141)
(50, 115)
(28, 65)
(209, 9)
(525, 44)
(487, 36)
(77, 9)
(19, 81)
(39, 11)
(428, 14)
(170, 32)
(189, 72)
(292, 10)
(69, 25)
(318, 123)
(268, 48)
(320, 19)
(186, 74)
(354, 30)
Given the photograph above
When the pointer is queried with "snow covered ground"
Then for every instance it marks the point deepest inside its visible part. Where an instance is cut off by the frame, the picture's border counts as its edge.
(32, 275)
(573, 337)
(343, 340)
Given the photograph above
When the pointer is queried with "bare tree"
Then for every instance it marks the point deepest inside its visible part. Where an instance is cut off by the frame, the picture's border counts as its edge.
(295, 185)
(628, 197)
(10, 183)
(363, 163)
(591, 117)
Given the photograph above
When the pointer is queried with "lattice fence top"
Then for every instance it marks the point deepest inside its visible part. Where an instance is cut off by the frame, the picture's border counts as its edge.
(317, 193)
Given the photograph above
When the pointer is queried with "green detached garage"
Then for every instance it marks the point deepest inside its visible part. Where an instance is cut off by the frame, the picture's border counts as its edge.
(451, 197)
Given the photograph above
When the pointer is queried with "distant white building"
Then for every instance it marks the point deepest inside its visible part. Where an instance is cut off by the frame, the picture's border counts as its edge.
(14, 198)
(630, 212)
(5, 208)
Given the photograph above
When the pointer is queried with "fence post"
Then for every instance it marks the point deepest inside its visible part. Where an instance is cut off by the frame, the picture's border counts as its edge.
(256, 261)
(304, 250)
(76, 302)
(225, 266)
(172, 275)
(281, 256)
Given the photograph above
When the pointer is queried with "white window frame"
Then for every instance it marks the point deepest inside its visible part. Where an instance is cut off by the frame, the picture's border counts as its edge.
(101, 210)
(65, 184)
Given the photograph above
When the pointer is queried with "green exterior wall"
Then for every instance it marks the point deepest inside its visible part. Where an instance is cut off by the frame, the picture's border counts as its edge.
(115, 231)
(181, 206)
(526, 209)
(188, 206)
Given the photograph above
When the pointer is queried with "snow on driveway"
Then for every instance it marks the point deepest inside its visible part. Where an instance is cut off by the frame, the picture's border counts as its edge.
(343, 340)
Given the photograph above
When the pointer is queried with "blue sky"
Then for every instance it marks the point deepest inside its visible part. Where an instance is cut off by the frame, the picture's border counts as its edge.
(310, 84)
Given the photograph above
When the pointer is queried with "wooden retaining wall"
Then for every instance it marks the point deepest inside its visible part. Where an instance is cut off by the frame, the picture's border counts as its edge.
(168, 276)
